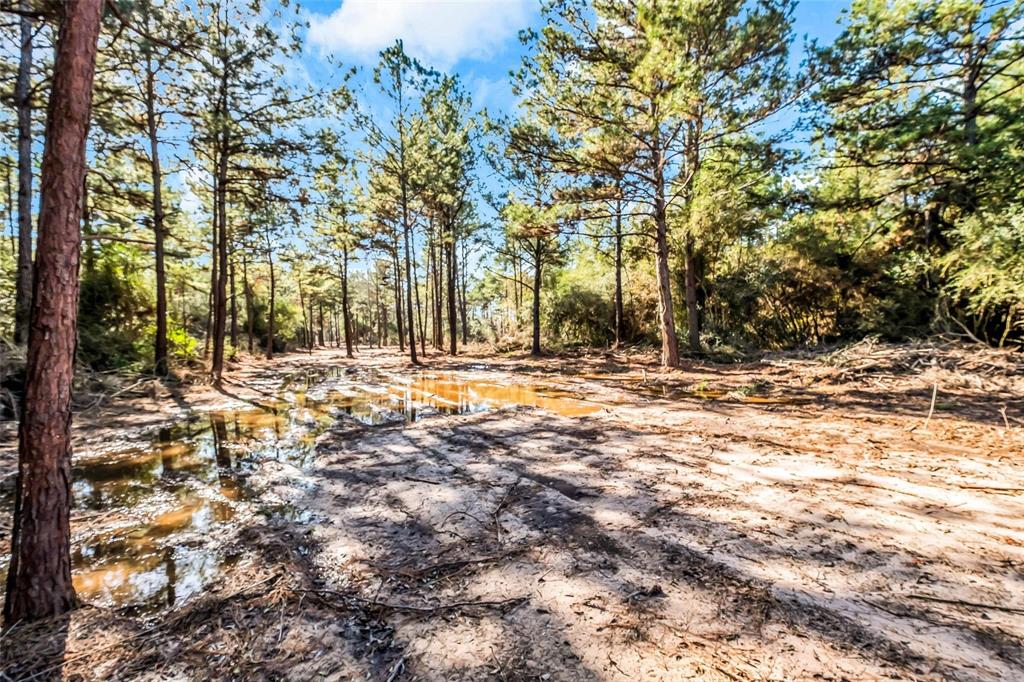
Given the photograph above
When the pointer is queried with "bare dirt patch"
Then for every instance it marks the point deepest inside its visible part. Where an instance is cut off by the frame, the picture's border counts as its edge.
(858, 515)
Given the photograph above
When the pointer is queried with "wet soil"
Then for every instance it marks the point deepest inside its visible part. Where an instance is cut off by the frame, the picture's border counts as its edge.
(575, 518)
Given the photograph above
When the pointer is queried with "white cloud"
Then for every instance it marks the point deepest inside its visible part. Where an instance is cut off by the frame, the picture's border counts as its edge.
(495, 93)
(438, 32)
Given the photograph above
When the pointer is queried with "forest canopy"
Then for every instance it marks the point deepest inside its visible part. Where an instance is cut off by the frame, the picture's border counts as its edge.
(692, 175)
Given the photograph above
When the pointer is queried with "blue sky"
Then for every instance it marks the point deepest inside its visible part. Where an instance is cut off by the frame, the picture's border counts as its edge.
(478, 39)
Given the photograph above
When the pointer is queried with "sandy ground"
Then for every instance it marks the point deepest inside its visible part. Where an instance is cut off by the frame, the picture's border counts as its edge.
(856, 517)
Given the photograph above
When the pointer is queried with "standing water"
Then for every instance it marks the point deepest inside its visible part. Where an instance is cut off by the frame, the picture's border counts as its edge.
(152, 520)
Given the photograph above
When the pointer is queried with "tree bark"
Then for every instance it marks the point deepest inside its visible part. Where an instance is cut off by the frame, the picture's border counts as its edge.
(306, 341)
(669, 343)
(419, 309)
(39, 575)
(452, 271)
(693, 274)
(411, 327)
(346, 312)
(211, 302)
(156, 175)
(10, 208)
(273, 291)
(433, 294)
(311, 331)
(620, 327)
(692, 309)
(23, 103)
(320, 320)
(223, 149)
(462, 298)
(398, 298)
(538, 255)
(234, 308)
(220, 295)
(249, 317)
(381, 312)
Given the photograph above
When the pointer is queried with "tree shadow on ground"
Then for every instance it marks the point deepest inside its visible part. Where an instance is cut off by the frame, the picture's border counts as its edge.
(514, 544)
(34, 650)
(560, 502)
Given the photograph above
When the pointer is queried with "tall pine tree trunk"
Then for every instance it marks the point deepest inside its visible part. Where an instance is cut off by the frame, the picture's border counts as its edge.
(406, 229)
(690, 257)
(234, 308)
(220, 311)
(305, 322)
(619, 311)
(692, 309)
(452, 271)
(320, 314)
(211, 301)
(23, 103)
(669, 343)
(39, 574)
(156, 175)
(382, 333)
(311, 331)
(346, 312)
(398, 298)
(419, 309)
(10, 208)
(249, 317)
(462, 298)
(273, 292)
(538, 257)
(430, 278)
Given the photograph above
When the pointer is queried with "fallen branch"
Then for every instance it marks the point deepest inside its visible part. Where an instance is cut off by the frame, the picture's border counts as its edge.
(497, 510)
(397, 670)
(461, 513)
(420, 480)
(117, 393)
(931, 409)
(460, 563)
(455, 606)
(960, 602)
(993, 489)
(444, 607)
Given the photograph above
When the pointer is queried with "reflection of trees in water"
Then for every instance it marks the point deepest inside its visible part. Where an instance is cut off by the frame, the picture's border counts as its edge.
(222, 452)
(172, 575)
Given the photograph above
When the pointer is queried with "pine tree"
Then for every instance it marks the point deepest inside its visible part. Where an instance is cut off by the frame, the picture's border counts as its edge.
(39, 574)
(637, 91)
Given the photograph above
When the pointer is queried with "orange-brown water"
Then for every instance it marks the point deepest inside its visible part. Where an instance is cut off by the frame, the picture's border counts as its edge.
(153, 516)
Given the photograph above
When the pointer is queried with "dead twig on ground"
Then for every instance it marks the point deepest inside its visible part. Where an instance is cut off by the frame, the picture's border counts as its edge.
(420, 480)
(397, 670)
(461, 513)
(442, 608)
(931, 409)
(448, 565)
(115, 394)
(501, 503)
(999, 490)
(967, 604)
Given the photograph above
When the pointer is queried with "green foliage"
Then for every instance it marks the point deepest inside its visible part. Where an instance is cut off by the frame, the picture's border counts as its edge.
(985, 270)
(646, 134)
(578, 307)
(8, 267)
(113, 309)
(182, 346)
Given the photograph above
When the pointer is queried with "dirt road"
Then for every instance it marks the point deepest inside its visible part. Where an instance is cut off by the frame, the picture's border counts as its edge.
(789, 519)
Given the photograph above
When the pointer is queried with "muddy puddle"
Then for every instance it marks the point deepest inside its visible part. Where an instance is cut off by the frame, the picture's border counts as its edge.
(154, 516)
